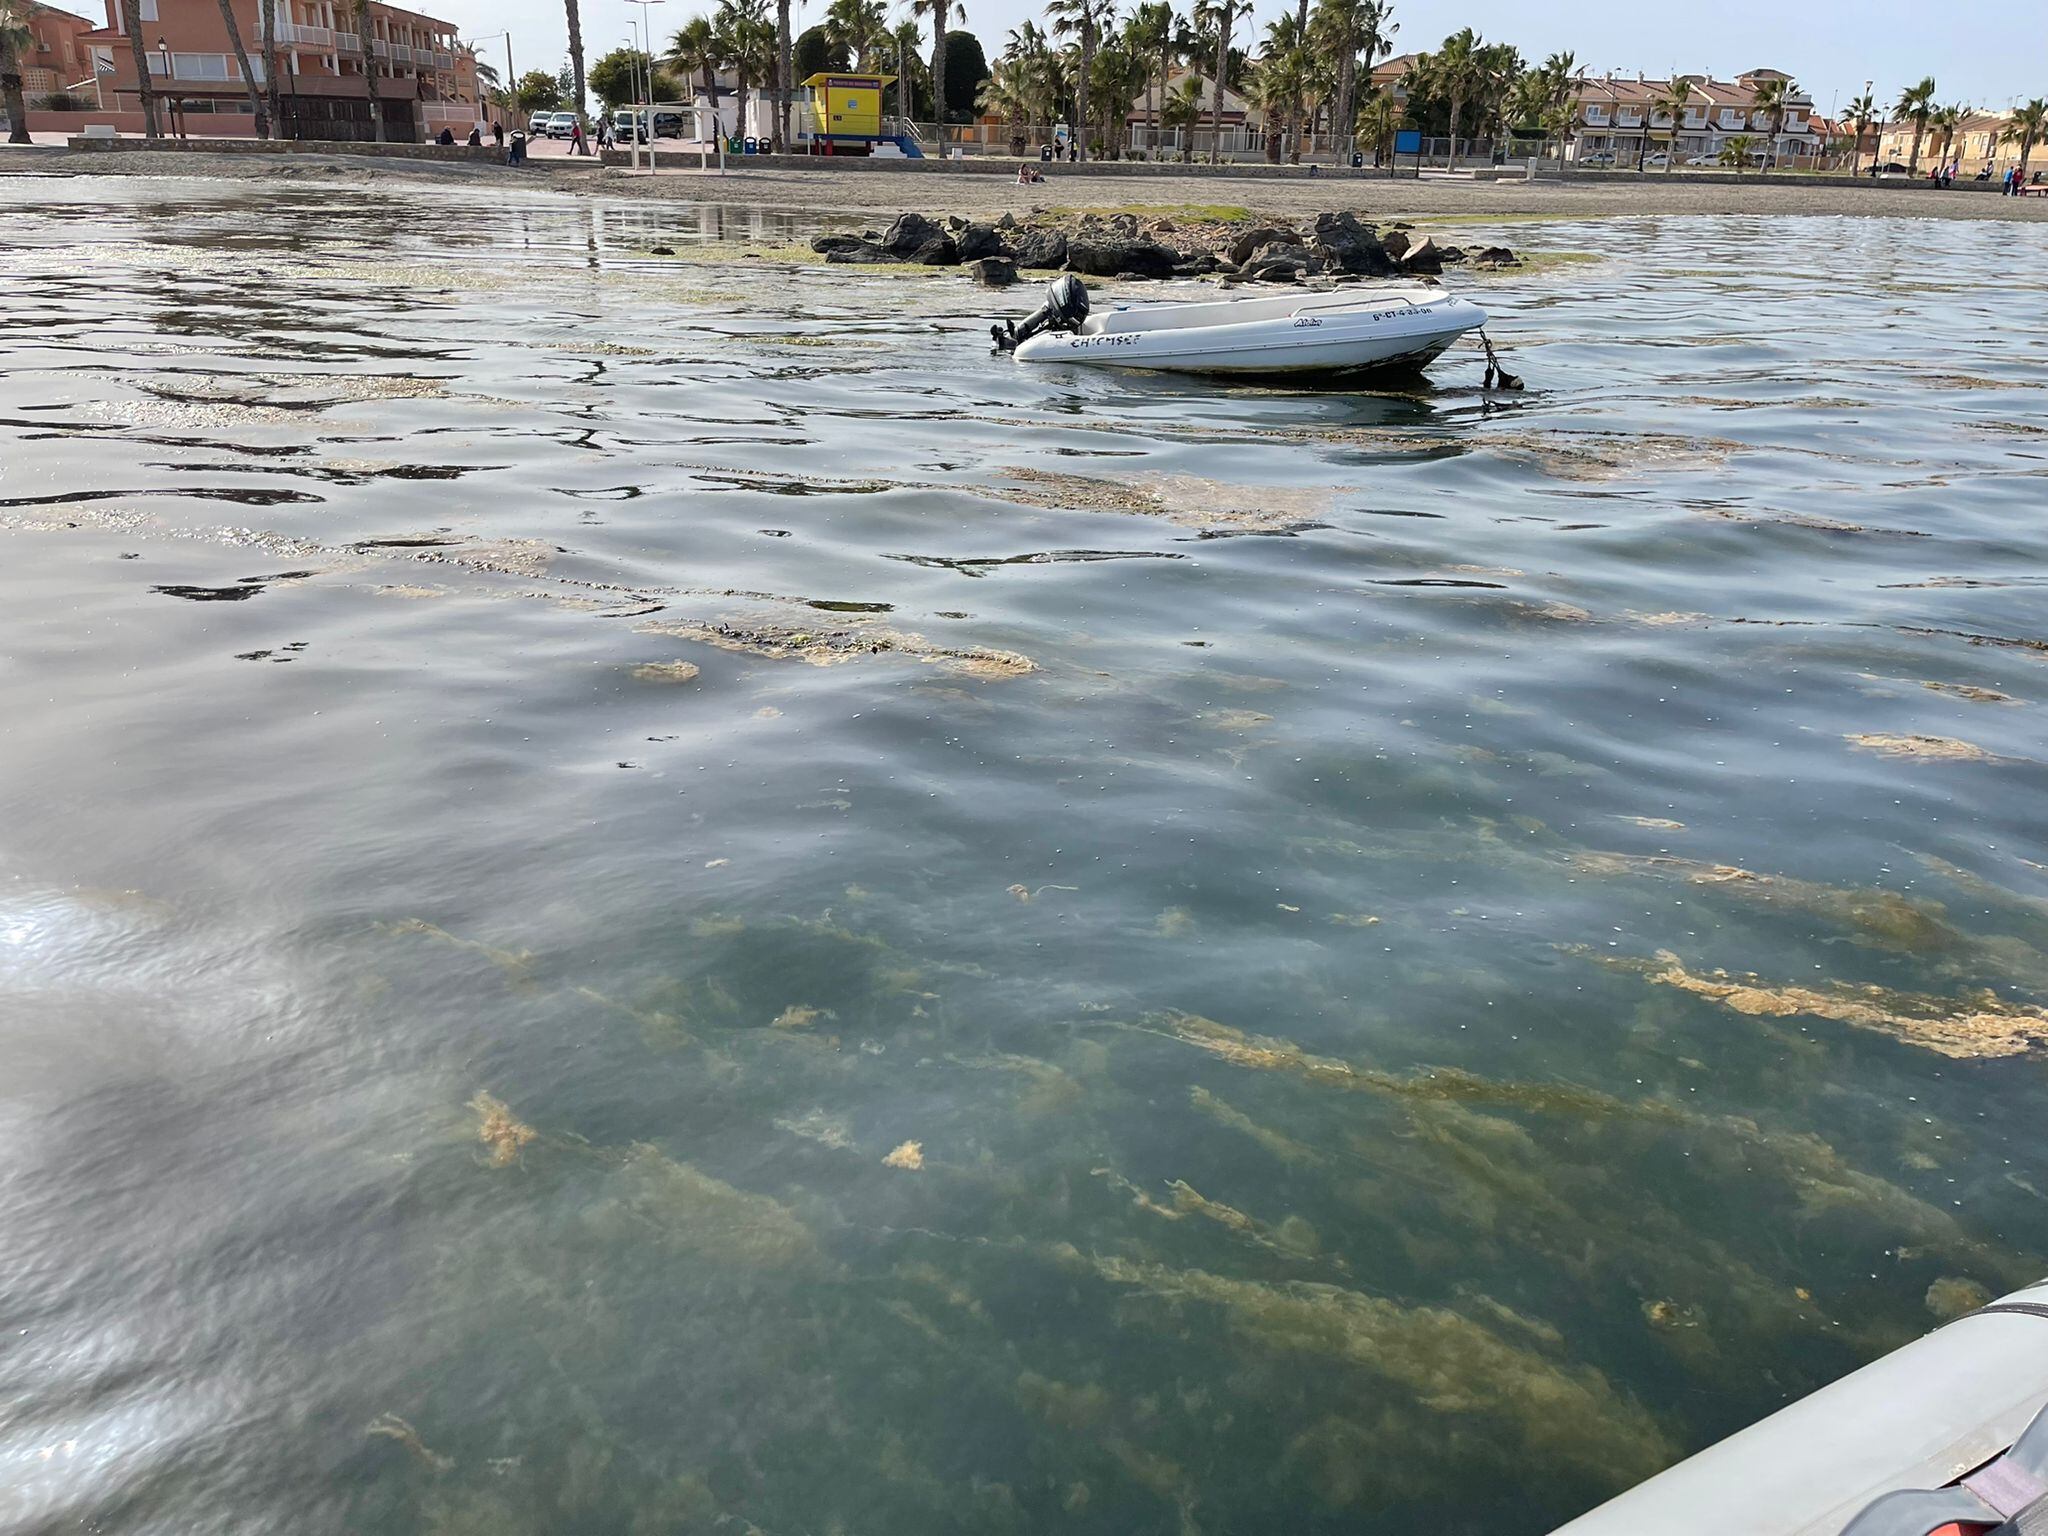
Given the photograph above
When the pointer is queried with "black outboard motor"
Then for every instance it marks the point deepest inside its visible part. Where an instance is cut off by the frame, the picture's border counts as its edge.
(1065, 307)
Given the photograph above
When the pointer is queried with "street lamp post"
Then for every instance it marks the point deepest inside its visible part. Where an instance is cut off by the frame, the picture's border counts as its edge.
(171, 102)
(647, 63)
(511, 80)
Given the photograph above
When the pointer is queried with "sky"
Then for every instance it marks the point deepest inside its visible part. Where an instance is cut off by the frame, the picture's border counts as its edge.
(1983, 53)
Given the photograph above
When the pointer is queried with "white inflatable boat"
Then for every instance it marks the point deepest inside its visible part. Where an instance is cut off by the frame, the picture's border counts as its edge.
(1946, 1435)
(1343, 331)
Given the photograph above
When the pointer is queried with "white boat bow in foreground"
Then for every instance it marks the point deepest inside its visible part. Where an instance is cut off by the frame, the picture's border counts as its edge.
(1341, 331)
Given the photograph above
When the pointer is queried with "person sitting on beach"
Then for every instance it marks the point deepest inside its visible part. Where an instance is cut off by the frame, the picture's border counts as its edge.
(1029, 175)
(446, 138)
(476, 138)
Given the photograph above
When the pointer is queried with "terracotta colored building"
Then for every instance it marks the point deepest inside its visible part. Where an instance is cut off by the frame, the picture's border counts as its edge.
(425, 79)
(56, 58)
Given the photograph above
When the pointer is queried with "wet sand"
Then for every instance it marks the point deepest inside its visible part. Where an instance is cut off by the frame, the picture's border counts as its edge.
(881, 193)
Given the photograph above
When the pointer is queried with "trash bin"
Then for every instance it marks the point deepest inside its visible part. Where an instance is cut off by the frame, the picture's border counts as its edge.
(753, 145)
(1045, 154)
(1357, 160)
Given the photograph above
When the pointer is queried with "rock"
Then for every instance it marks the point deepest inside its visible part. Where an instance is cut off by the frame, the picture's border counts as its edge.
(993, 271)
(954, 223)
(1125, 224)
(662, 250)
(978, 240)
(909, 234)
(825, 245)
(1395, 243)
(1043, 250)
(1007, 222)
(1451, 253)
(1346, 245)
(1109, 257)
(940, 252)
(1276, 269)
(1252, 241)
(1423, 257)
(1162, 226)
(865, 253)
(1496, 256)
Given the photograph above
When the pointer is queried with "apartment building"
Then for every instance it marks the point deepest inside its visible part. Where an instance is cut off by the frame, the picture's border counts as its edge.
(1977, 144)
(1620, 119)
(425, 78)
(55, 58)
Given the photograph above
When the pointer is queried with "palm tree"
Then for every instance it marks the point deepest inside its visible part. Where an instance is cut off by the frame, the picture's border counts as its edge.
(360, 15)
(131, 23)
(1219, 14)
(2027, 125)
(1341, 30)
(784, 86)
(1121, 75)
(578, 86)
(855, 26)
(695, 49)
(745, 42)
(904, 40)
(1672, 105)
(1916, 103)
(267, 12)
(942, 12)
(1183, 110)
(14, 37)
(1945, 121)
(1282, 82)
(1862, 112)
(1081, 20)
(1149, 36)
(1772, 98)
(1456, 72)
(1736, 151)
(227, 16)
(1378, 121)
(1276, 87)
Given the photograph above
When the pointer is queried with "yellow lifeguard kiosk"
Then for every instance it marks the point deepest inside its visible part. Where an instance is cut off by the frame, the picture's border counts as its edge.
(845, 115)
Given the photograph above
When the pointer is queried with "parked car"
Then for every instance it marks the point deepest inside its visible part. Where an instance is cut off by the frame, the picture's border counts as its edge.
(537, 126)
(1889, 168)
(670, 125)
(1598, 157)
(1658, 158)
(626, 125)
(561, 125)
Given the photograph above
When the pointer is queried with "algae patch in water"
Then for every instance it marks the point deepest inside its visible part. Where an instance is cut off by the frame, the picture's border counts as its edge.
(1943, 749)
(390, 1426)
(778, 641)
(500, 1130)
(1977, 1024)
(1189, 500)
(667, 672)
(908, 1157)
(1558, 1415)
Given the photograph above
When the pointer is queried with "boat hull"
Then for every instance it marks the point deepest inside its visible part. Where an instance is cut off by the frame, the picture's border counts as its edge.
(1312, 335)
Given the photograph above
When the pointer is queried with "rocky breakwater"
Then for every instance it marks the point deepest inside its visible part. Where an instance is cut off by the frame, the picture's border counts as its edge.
(1335, 247)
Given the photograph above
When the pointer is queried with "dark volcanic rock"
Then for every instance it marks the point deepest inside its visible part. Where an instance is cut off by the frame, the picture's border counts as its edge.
(1496, 256)
(1101, 257)
(993, 271)
(909, 234)
(979, 240)
(860, 253)
(939, 252)
(825, 245)
(1423, 256)
(1395, 243)
(1277, 268)
(1252, 241)
(1042, 250)
(1346, 245)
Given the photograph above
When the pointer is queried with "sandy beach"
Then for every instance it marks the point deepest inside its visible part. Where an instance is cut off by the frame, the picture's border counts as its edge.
(881, 193)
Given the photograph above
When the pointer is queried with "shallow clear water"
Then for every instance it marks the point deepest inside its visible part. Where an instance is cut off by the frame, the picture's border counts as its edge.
(1269, 853)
